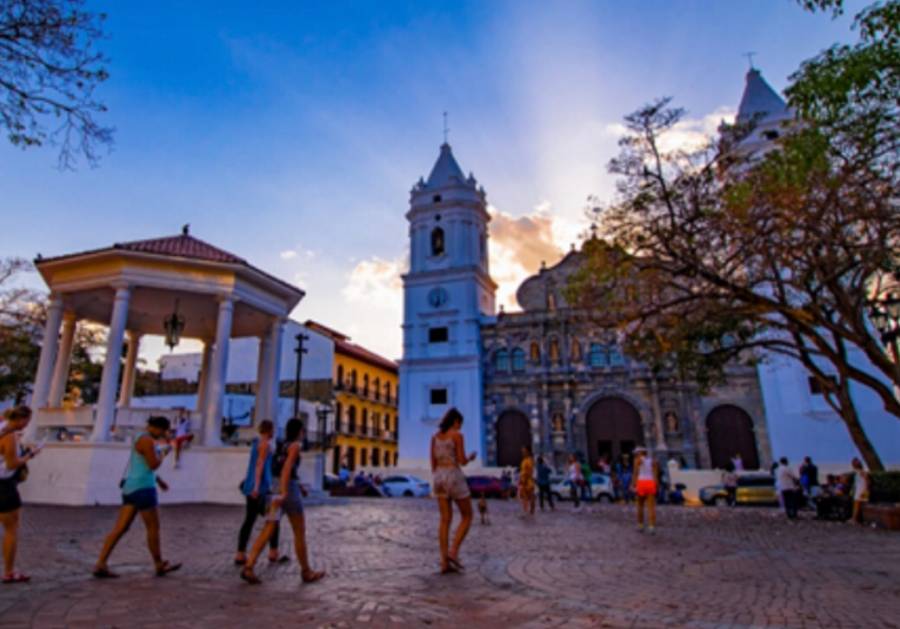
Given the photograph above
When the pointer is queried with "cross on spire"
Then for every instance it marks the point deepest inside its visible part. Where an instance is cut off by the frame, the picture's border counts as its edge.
(750, 56)
(446, 128)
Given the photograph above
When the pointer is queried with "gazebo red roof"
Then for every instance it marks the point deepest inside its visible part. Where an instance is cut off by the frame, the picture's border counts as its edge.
(182, 246)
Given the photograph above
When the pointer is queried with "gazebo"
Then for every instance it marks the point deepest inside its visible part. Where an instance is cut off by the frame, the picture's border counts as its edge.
(177, 286)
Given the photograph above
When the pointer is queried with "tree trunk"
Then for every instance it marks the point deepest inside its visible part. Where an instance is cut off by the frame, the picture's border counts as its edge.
(855, 428)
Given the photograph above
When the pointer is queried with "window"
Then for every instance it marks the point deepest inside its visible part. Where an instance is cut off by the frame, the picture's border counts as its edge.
(816, 388)
(396, 456)
(376, 458)
(338, 416)
(351, 419)
(340, 376)
(437, 242)
(353, 380)
(770, 135)
(554, 350)
(576, 351)
(376, 388)
(438, 335)
(501, 360)
(616, 359)
(436, 198)
(363, 457)
(438, 396)
(535, 353)
(518, 359)
(597, 357)
(364, 422)
(387, 392)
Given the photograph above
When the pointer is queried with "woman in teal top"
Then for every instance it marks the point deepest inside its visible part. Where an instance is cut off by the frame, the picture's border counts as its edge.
(139, 496)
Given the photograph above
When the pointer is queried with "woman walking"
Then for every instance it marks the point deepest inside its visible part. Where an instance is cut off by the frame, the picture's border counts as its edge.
(575, 479)
(644, 474)
(526, 481)
(257, 487)
(139, 497)
(447, 458)
(860, 490)
(13, 461)
(288, 502)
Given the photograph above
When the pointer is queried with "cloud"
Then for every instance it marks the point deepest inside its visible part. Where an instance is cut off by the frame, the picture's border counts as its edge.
(689, 134)
(376, 282)
(289, 254)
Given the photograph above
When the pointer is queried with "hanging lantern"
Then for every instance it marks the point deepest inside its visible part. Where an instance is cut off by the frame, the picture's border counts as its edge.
(174, 326)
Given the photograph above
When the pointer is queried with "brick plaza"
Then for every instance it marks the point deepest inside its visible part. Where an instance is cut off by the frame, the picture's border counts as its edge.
(705, 568)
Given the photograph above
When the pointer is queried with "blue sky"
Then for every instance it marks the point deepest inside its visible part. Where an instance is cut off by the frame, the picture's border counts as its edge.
(290, 133)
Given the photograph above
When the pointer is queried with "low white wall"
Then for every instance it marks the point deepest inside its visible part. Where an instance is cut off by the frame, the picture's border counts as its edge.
(82, 474)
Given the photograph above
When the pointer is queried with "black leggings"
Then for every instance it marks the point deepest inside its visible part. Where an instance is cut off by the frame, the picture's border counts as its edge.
(255, 508)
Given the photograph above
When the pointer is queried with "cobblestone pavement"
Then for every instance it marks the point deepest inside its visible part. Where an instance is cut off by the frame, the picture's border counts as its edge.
(705, 568)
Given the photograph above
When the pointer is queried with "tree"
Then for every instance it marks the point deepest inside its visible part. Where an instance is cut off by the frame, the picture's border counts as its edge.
(49, 70)
(23, 313)
(736, 255)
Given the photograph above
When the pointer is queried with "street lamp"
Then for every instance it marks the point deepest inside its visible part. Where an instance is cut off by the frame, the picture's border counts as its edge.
(885, 316)
(324, 436)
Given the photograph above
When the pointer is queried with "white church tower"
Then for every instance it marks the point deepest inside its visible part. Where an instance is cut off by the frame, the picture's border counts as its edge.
(446, 293)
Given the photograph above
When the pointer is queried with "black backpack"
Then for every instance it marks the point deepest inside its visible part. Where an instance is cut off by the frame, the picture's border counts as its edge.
(278, 461)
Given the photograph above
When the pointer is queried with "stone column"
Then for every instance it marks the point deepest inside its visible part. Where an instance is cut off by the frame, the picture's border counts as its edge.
(263, 382)
(212, 425)
(203, 377)
(106, 400)
(41, 390)
(129, 377)
(273, 371)
(63, 359)
(657, 416)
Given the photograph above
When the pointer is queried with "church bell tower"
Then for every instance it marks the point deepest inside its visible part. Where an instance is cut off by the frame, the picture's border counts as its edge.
(446, 293)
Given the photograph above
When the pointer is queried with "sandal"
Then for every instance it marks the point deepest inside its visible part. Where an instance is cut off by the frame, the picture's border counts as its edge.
(449, 570)
(311, 576)
(250, 578)
(240, 562)
(455, 563)
(104, 573)
(282, 559)
(16, 577)
(167, 568)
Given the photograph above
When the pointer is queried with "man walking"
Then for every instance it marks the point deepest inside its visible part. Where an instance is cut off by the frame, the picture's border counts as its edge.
(543, 483)
(787, 482)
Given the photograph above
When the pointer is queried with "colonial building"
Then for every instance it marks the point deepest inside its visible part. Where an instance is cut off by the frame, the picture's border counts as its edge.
(557, 380)
(365, 405)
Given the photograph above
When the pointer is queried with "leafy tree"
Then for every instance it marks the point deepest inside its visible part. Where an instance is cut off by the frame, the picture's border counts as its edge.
(729, 253)
(49, 70)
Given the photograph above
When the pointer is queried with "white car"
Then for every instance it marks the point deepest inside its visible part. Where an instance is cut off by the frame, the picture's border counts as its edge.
(405, 485)
(601, 488)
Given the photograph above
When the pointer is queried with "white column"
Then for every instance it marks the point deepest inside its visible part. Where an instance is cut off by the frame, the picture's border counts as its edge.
(657, 416)
(128, 377)
(212, 424)
(276, 336)
(106, 400)
(63, 359)
(263, 383)
(41, 390)
(203, 377)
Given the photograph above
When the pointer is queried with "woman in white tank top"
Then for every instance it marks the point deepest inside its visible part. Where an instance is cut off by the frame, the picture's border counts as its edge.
(644, 487)
(12, 462)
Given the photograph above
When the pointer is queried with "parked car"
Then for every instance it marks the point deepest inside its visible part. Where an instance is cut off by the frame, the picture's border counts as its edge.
(405, 485)
(490, 486)
(752, 489)
(601, 487)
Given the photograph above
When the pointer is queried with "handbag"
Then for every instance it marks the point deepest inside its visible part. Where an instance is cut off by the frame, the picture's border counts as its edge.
(21, 474)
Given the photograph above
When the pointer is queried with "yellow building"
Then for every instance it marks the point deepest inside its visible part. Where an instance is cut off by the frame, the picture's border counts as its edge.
(365, 394)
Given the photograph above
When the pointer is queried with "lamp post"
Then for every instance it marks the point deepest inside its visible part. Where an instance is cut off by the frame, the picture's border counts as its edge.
(301, 339)
(885, 316)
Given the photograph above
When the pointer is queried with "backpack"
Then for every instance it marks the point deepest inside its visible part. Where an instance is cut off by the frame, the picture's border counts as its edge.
(278, 461)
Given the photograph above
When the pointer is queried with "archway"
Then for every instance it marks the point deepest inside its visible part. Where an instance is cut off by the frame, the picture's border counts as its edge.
(513, 432)
(613, 429)
(729, 431)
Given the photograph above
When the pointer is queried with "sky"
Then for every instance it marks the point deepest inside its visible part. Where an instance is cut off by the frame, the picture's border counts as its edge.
(290, 133)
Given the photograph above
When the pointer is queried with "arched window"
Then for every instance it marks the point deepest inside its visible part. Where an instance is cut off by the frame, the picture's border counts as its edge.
(597, 357)
(576, 351)
(340, 376)
(554, 350)
(501, 360)
(387, 392)
(365, 384)
(338, 417)
(535, 353)
(376, 388)
(518, 359)
(353, 380)
(351, 419)
(438, 245)
(364, 422)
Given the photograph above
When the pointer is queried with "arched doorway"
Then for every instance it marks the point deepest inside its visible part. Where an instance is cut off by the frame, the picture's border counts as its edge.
(513, 432)
(613, 429)
(729, 431)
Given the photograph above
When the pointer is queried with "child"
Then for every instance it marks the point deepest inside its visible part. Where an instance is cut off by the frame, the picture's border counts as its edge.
(482, 509)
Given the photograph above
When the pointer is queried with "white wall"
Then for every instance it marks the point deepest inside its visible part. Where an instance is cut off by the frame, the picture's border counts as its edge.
(802, 424)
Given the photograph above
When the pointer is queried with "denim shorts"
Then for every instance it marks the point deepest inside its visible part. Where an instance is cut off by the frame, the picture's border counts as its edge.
(141, 499)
